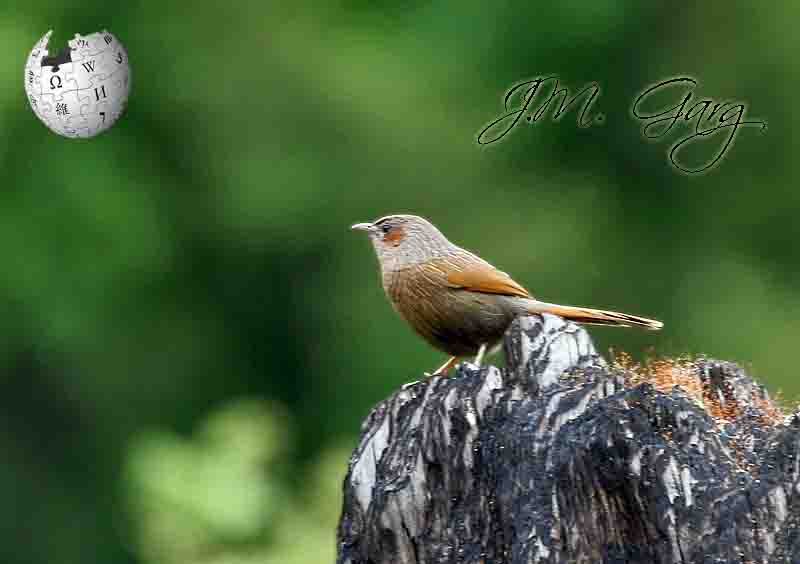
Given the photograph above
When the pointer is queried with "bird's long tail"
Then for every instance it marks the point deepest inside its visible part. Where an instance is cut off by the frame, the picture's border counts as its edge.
(594, 316)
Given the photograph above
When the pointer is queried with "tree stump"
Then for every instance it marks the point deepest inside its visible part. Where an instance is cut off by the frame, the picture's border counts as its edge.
(563, 458)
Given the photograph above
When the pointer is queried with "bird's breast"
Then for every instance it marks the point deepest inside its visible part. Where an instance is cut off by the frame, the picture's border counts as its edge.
(454, 320)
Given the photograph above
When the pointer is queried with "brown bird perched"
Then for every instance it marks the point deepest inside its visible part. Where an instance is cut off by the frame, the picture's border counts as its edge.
(454, 299)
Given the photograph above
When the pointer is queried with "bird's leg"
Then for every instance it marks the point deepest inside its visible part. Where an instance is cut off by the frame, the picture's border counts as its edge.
(479, 356)
(445, 367)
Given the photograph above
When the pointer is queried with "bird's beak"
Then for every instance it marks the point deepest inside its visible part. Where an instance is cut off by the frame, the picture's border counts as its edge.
(361, 227)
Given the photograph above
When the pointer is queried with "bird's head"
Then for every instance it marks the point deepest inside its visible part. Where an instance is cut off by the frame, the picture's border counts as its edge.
(403, 240)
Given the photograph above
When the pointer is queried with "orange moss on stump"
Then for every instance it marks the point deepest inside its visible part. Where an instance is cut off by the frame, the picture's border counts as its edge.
(664, 374)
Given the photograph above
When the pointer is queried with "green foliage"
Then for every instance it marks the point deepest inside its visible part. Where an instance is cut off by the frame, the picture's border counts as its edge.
(220, 498)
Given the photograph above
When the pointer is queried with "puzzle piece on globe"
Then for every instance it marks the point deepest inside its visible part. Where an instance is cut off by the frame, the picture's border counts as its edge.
(33, 66)
(95, 116)
(61, 111)
(91, 45)
(101, 64)
(57, 74)
(86, 69)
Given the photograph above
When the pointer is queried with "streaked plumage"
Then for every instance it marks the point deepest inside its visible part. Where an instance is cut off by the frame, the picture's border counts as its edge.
(455, 300)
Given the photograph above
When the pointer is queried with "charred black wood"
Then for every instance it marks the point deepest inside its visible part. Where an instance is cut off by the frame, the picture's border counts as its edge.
(563, 458)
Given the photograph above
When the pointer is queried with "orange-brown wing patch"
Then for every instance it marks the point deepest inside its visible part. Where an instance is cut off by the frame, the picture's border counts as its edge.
(480, 276)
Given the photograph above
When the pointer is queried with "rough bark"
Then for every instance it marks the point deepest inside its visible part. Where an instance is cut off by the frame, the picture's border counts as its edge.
(561, 458)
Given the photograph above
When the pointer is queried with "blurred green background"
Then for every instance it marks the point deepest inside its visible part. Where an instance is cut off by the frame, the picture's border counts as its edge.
(191, 335)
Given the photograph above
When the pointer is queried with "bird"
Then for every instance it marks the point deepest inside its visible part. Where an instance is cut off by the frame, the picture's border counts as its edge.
(456, 301)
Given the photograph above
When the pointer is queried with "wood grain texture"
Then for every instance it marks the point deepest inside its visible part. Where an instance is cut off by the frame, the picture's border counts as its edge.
(558, 460)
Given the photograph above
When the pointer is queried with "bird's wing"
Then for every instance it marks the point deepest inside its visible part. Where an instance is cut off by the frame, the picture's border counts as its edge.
(472, 273)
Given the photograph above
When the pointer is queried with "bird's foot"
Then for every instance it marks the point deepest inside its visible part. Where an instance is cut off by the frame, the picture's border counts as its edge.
(479, 357)
(444, 367)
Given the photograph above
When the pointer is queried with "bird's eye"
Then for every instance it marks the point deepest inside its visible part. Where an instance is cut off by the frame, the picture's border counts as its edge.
(386, 227)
